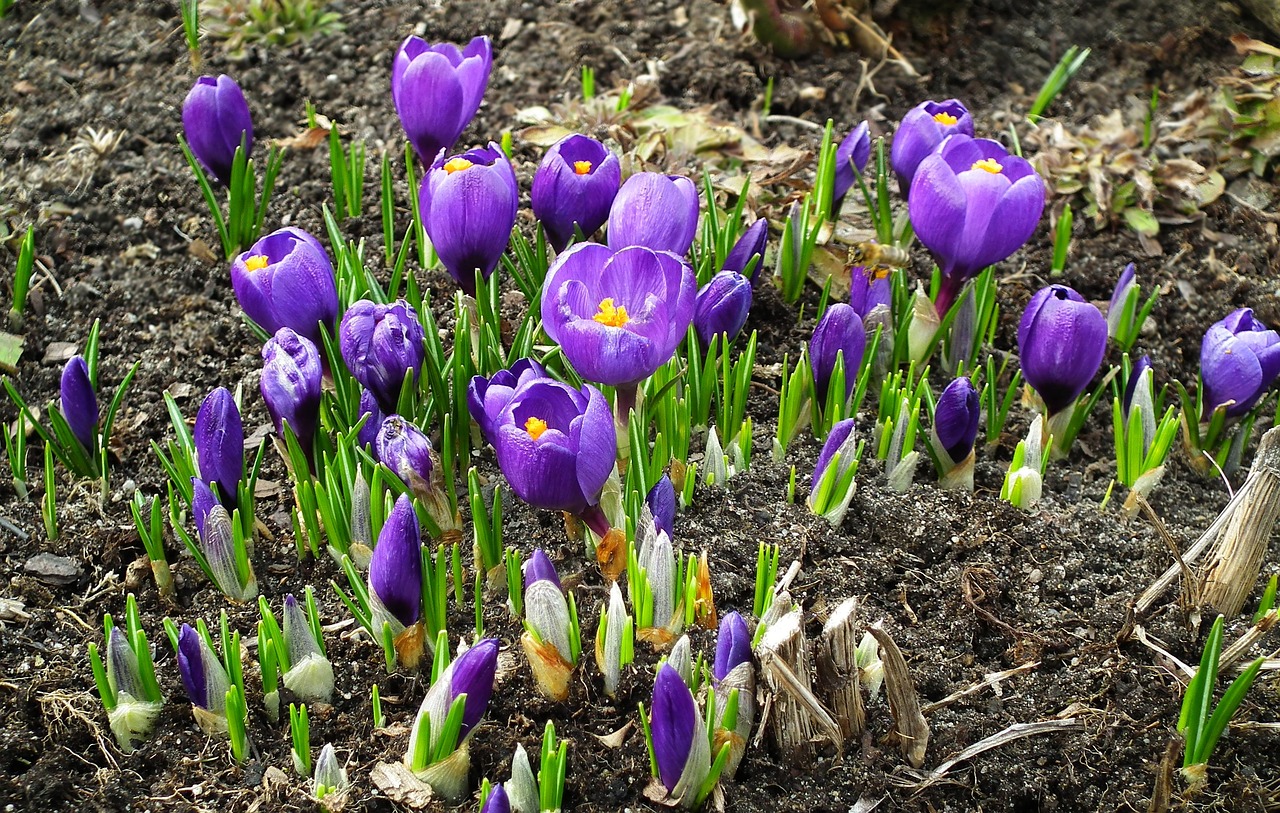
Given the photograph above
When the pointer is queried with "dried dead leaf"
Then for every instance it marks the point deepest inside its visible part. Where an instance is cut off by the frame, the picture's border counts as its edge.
(611, 740)
(400, 785)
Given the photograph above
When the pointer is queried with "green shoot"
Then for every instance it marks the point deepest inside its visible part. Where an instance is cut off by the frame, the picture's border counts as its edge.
(1067, 67)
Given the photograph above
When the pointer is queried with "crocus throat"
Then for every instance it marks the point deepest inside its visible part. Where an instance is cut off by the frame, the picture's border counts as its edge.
(611, 316)
(945, 119)
(582, 167)
(456, 165)
(988, 165)
(256, 263)
(535, 427)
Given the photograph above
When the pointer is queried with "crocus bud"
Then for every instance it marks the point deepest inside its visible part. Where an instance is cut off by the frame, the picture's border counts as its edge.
(1061, 340)
(135, 708)
(920, 132)
(1239, 361)
(1126, 288)
(382, 345)
(368, 435)
(870, 291)
(574, 186)
(286, 280)
(329, 774)
(395, 581)
(497, 801)
(522, 788)
(955, 428)
(403, 448)
(202, 502)
(291, 378)
(832, 506)
(471, 674)
(205, 680)
(310, 674)
(972, 205)
(657, 558)
(549, 640)
(733, 646)
(79, 402)
(750, 246)
(661, 500)
(487, 396)
(618, 314)
(555, 445)
(852, 154)
(217, 543)
(539, 568)
(840, 330)
(655, 211)
(1140, 377)
(215, 120)
(437, 90)
(732, 671)
(468, 204)
(722, 306)
(680, 745)
(219, 441)
(613, 640)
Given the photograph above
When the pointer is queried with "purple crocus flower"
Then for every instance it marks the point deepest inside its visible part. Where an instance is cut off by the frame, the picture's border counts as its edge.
(1061, 340)
(468, 204)
(869, 288)
(1239, 361)
(79, 404)
(291, 377)
(472, 674)
(395, 571)
(1124, 286)
(680, 744)
(437, 90)
(286, 280)
(202, 672)
(215, 120)
(655, 211)
(733, 645)
(202, 502)
(721, 307)
(840, 439)
(368, 435)
(661, 500)
(382, 346)
(487, 396)
(852, 154)
(575, 185)
(972, 205)
(539, 568)
(618, 315)
(497, 801)
(403, 448)
(955, 419)
(219, 441)
(556, 446)
(751, 244)
(191, 666)
(919, 134)
(840, 330)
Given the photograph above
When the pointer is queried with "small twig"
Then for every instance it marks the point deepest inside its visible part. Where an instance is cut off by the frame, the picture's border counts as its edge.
(1140, 633)
(1017, 731)
(990, 680)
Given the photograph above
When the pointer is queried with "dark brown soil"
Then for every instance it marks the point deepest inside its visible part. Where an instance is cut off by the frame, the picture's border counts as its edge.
(967, 584)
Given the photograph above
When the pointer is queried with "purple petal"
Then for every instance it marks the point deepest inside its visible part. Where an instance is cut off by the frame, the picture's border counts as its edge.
(191, 666)
(733, 645)
(219, 442)
(79, 404)
(473, 673)
(395, 570)
(671, 724)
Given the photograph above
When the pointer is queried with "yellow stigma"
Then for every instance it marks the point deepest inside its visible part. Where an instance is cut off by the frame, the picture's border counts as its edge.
(988, 165)
(535, 427)
(611, 316)
(256, 263)
(456, 165)
(945, 119)
(581, 167)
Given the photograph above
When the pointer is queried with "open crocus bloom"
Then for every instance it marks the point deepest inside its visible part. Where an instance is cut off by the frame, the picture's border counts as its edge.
(972, 205)
(618, 315)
